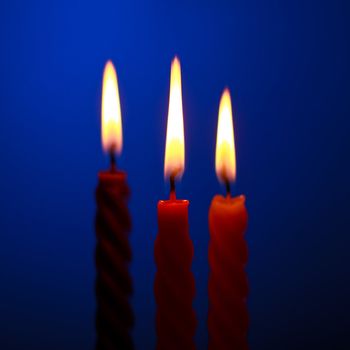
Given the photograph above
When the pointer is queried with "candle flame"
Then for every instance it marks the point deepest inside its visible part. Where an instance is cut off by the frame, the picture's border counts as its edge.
(225, 157)
(174, 161)
(112, 134)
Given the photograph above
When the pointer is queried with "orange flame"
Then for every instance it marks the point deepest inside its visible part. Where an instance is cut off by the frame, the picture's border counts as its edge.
(225, 157)
(112, 133)
(174, 162)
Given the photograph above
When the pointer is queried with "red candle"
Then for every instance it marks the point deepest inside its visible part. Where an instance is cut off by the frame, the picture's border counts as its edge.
(228, 285)
(114, 316)
(174, 284)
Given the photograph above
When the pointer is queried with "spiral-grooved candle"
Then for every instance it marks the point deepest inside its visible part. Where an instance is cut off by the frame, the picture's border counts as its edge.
(228, 284)
(174, 283)
(114, 316)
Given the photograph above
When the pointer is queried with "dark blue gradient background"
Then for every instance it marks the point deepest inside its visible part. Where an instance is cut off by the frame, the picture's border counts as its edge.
(287, 65)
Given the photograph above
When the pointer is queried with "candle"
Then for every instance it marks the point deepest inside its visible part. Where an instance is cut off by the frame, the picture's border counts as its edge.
(228, 286)
(174, 283)
(114, 316)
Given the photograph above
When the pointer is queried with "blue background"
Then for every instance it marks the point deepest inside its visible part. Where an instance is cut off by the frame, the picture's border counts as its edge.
(287, 65)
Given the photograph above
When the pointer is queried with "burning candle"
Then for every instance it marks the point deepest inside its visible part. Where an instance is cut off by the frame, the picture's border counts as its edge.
(174, 283)
(114, 316)
(228, 254)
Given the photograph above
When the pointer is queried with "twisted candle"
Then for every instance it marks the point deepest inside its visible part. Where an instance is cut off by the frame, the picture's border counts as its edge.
(228, 285)
(174, 283)
(114, 316)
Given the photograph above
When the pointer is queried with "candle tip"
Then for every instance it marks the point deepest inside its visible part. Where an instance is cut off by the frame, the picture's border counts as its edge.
(112, 158)
(172, 187)
(228, 188)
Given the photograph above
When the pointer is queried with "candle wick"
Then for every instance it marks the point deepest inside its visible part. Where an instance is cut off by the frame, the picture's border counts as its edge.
(112, 159)
(172, 188)
(228, 188)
